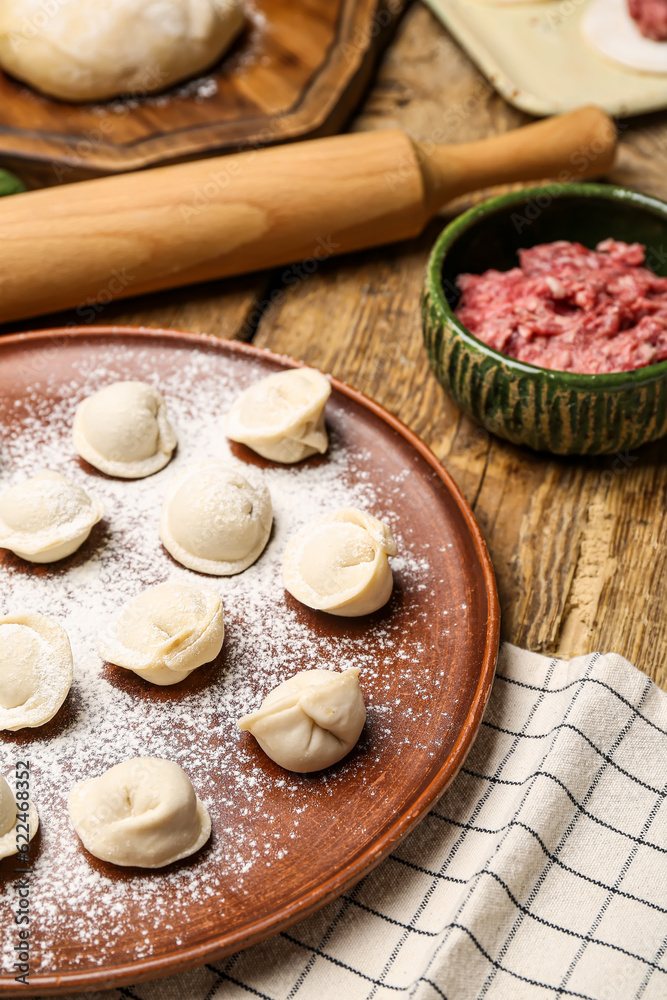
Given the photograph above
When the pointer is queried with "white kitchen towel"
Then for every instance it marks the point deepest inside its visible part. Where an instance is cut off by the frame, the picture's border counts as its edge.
(541, 874)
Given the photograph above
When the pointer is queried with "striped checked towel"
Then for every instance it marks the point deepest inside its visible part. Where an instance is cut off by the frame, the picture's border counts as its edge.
(541, 873)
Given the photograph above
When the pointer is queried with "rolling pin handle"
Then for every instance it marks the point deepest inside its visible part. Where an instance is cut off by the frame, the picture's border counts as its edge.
(568, 147)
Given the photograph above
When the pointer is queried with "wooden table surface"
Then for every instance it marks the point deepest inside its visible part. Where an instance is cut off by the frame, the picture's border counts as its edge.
(579, 545)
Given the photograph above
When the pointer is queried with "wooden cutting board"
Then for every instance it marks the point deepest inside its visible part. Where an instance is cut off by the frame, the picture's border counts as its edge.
(536, 56)
(296, 71)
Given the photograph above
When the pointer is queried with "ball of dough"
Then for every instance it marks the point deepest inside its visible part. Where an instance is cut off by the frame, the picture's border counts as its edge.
(311, 720)
(82, 52)
(12, 839)
(36, 670)
(143, 812)
(216, 517)
(166, 632)
(340, 564)
(123, 430)
(282, 417)
(47, 517)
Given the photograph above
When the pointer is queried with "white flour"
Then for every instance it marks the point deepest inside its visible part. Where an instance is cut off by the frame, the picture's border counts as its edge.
(111, 715)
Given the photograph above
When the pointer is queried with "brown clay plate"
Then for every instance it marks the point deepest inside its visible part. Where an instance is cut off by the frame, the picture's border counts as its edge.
(296, 71)
(283, 845)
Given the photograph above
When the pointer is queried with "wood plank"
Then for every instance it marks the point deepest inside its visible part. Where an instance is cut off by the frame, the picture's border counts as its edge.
(228, 309)
(579, 545)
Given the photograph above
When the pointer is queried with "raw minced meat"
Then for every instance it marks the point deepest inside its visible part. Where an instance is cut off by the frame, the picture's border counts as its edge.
(650, 17)
(572, 309)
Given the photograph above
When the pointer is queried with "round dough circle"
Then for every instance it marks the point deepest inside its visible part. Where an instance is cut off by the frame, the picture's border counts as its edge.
(340, 563)
(123, 430)
(142, 812)
(609, 29)
(216, 517)
(166, 632)
(311, 720)
(121, 47)
(282, 416)
(47, 518)
(36, 670)
(9, 841)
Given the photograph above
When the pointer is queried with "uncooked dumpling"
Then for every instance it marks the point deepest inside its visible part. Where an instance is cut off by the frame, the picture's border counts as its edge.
(123, 430)
(143, 812)
(340, 563)
(166, 632)
(608, 27)
(12, 839)
(83, 51)
(216, 517)
(47, 517)
(282, 417)
(311, 720)
(36, 670)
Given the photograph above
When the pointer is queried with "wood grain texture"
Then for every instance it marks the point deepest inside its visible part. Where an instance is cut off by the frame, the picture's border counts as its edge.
(229, 309)
(297, 69)
(579, 546)
(230, 215)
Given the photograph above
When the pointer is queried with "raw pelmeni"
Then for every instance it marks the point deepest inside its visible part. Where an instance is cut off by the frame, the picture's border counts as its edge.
(311, 720)
(36, 670)
(216, 517)
(282, 417)
(82, 52)
(340, 563)
(123, 430)
(11, 838)
(166, 632)
(47, 517)
(142, 812)
(608, 27)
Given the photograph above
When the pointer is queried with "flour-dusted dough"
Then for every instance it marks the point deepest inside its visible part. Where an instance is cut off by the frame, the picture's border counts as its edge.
(123, 430)
(36, 670)
(282, 417)
(47, 517)
(142, 812)
(311, 720)
(340, 564)
(609, 29)
(82, 51)
(216, 517)
(166, 632)
(9, 839)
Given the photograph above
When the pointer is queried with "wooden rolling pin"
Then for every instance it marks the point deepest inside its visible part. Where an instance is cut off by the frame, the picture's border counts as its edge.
(119, 236)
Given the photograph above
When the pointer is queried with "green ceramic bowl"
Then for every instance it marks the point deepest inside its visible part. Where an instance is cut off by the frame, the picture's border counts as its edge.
(560, 412)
